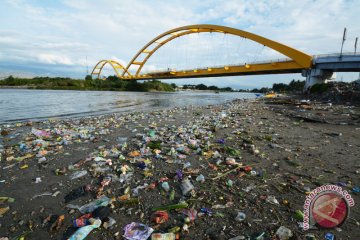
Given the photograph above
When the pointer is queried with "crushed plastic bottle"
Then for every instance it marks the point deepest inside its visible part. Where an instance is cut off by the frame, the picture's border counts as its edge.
(82, 232)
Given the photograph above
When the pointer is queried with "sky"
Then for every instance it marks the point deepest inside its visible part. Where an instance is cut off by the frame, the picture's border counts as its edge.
(67, 37)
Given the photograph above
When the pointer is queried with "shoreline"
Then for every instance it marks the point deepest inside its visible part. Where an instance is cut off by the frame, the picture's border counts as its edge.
(289, 145)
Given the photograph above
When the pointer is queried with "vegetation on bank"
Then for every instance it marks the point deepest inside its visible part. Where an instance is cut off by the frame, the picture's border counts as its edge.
(298, 87)
(293, 86)
(209, 88)
(112, 83)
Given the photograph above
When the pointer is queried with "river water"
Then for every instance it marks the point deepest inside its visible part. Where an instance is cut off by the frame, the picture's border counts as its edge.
(26, 104)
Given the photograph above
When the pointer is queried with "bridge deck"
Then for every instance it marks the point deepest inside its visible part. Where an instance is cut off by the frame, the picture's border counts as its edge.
(247, 69)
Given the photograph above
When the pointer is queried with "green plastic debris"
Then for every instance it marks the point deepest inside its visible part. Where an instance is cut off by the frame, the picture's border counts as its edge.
(154, 144)
(232, 151)
(7, 199)
(299, 215)
(151, 133)
(171, 207)
(172, 195)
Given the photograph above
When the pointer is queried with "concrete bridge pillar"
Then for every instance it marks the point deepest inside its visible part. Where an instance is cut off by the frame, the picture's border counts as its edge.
(314, 76)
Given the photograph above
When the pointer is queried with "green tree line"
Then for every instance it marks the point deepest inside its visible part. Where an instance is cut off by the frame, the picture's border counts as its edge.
(110, 83)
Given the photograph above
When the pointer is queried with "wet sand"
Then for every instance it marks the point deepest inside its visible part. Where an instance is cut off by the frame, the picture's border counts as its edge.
(291, 147)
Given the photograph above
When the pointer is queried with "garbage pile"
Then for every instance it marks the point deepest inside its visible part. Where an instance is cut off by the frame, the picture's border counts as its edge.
(153, 176)
(337, 92)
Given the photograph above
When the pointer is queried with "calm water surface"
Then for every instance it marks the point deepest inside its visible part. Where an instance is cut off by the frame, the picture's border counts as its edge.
(24, 104)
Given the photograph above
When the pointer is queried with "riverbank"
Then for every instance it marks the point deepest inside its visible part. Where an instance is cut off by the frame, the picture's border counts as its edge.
(288, 148)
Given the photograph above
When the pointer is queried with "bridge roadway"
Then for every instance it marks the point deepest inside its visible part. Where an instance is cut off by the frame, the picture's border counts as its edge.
(323, 67)
(348, 62)
(258, 68)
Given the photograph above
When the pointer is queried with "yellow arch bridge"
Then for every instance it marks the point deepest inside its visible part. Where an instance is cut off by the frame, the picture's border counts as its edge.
(296, 62)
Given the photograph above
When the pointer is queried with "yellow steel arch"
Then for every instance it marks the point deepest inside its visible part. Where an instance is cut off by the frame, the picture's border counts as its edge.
(115, 65)
(302, 59)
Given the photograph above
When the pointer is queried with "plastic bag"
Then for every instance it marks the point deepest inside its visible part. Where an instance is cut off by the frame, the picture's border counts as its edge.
(137, 231)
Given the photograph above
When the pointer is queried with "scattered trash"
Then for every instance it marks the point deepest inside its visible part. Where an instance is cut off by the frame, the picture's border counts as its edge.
(160, 217)
(229, 147)
(171, 207)
(240, 217)
(163, 236)
(109, 223)
(137, 231)
(38, 180)
(356, 190)
(284, 233)
(57, 224)
(271, 199)
(82, 221)
(7, 199)
(329, 236)
(299, 215)
(4, 210)
(82, 232)
(78, 174)
(90, 207)
(186, 186)
(200, 178)
(165, 186)
(190, 213)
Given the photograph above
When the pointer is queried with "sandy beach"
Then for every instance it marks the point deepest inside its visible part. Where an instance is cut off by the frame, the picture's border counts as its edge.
(257, 157)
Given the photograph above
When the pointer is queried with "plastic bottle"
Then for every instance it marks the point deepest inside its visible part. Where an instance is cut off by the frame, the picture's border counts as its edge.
(163, 236)
(200, 178)
(82, 232)
(165, 186)
(186, 186)
(78, 174)
(90, 207)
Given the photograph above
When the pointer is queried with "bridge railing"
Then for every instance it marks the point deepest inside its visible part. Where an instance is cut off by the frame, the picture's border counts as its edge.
(346, 54)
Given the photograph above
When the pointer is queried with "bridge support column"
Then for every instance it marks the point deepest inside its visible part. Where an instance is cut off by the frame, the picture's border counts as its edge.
(314, 76)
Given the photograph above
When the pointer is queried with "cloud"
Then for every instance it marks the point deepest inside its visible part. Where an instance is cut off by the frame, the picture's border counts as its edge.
(66, 32)
(54, 59)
